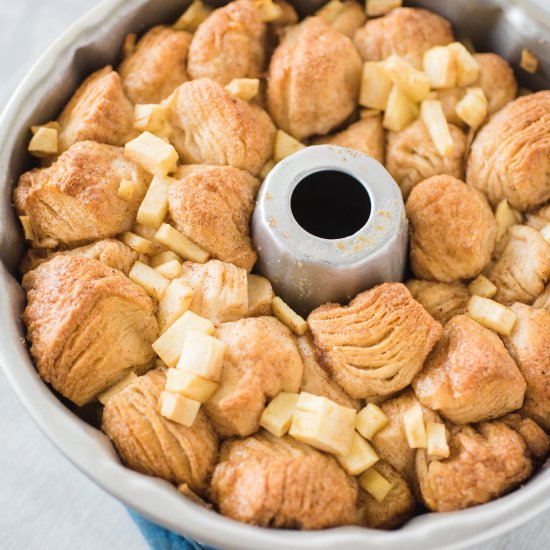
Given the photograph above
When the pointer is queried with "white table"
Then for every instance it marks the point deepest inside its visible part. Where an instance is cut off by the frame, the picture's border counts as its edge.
(45, 502)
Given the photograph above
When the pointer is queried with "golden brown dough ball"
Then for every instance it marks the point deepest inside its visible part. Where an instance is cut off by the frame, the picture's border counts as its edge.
(88, 325)
(213, 127)
(411, 156)
(452, 230)
(522, 266)
(316, 380)
(98, 111)
(350, 18)
(157, 66)
(313, 79)
(230, 43)
(394, 510)
(529, 345)
(441, 300)
(366, 136)
(213, 205)
(278, 482)
(487, 460)
(220, 290)
(510, 156)
(153, 445)
(75, 200)
(469, 376)
(391, 442)
(261, 361)
(496, 79)
(376, 345)
(109, 251)
(406, 32)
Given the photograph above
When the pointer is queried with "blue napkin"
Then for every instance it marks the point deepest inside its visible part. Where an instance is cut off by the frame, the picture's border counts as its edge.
(159, 538)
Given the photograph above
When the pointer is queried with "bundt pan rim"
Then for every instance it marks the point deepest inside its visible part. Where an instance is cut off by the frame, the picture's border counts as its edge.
(89, 44)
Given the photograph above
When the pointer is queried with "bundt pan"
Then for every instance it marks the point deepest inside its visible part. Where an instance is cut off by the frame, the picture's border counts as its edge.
(502, 26)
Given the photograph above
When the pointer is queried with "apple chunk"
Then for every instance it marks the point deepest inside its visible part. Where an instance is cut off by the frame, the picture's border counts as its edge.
(434, 119)
(177, 408)
(360, 457)
(203, 355)
(370, 420)
(491, 315)
(169, 345)
(277, 416)
(323, 424)
(376, 86)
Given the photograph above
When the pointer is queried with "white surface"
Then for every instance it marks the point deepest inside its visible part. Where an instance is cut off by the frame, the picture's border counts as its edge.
(45, 503)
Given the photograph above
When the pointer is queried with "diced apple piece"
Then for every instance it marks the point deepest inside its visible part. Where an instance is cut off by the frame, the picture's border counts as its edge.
(119, 386)
(440, 67)
(52, 124)
(472, 108)
(174, 304)
(437, 440)
(178, 408)
(153, 118)
(244, 88)
(260, 296)
(375, 484)
(152, 154)
(360, 458)
(190, 385)
(164, 258)
(467, 68)
(434, 119)
(168, 346)
(193, 16)
(370, 420)
(202, 355)
(137, 243)
(268, 166)
(481, 286)
(277, 416)
(44, 142)
(27, 227)
(415, 431)
(180, 244)
(412, 82)
(323, 424)
(154, 206)
(269, 11)
(126, 189)
(150, 279)
(506, 217)
(376, 86)
(491, 315)
(529, 61)
(289, 317)
(285, 145)
(545, 232)
(381, 7)
(400, 111)
(170, 270)
(330, 11)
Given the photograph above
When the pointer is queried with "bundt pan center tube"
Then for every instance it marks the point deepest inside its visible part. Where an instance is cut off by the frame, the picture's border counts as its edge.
(502, 26)
(329, 223)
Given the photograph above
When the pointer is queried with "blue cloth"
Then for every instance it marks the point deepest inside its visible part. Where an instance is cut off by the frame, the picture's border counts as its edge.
(159, 538)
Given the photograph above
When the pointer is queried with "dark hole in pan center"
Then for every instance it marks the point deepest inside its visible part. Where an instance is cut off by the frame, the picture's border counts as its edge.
(330, 204)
